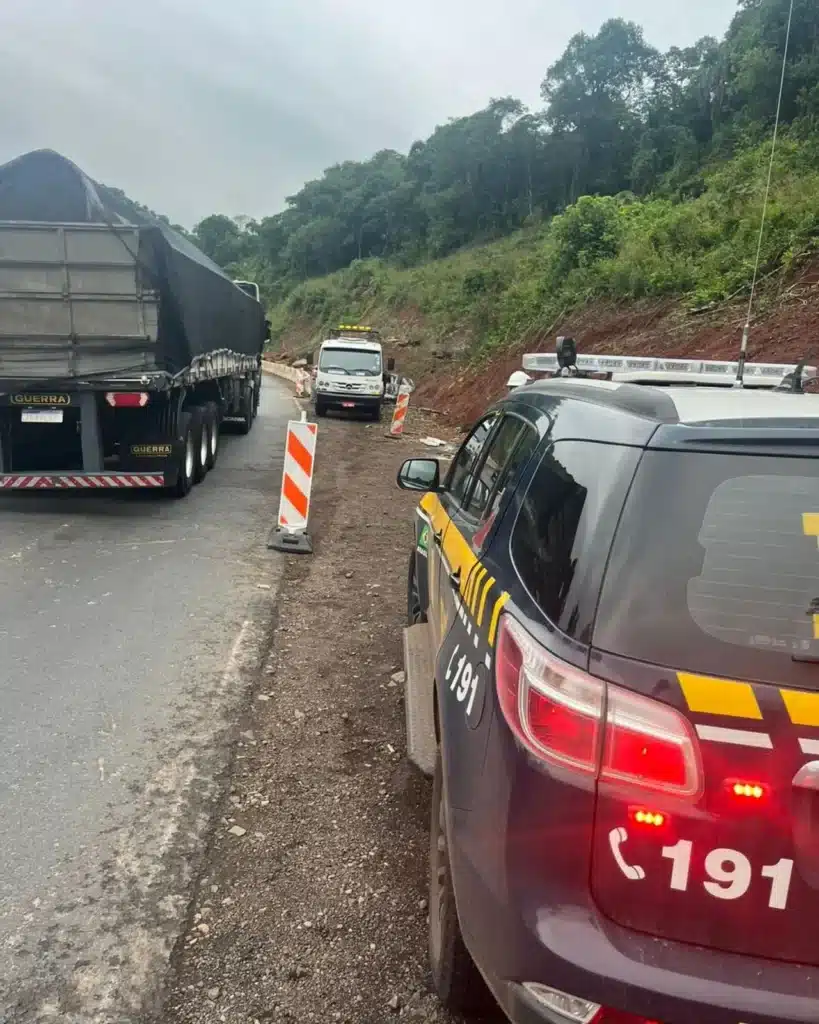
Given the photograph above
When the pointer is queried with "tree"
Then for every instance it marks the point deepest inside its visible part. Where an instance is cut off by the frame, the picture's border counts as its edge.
(222, 239)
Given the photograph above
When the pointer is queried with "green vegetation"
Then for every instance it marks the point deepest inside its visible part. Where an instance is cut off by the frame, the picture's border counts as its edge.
(642, 176)
(602, 247)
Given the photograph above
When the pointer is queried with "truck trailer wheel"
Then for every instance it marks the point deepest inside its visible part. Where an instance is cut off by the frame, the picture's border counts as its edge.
(201, 433)
(246, 419)
(213, 425)
(187, 460)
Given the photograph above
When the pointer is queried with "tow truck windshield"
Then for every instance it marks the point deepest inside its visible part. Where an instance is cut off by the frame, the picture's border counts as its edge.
(355, 362)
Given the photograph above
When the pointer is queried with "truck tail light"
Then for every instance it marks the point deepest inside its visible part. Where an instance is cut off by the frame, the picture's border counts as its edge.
(565, 716)
(126, 399)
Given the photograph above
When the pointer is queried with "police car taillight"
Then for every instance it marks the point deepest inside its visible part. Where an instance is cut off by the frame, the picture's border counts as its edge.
(564, 716)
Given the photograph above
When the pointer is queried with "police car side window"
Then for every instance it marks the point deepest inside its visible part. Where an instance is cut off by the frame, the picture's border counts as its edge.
(511, 445)
(460, 475)
(565, 526)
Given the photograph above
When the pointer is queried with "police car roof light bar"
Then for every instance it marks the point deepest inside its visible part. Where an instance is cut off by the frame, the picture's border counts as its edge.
(649, 370)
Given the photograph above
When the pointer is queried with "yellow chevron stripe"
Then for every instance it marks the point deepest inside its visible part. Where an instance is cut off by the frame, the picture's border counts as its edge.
(493, 622)
(470, 583)
(803, 708)
(816, 627)
(482, 604)
(475, 588)
(712, 696)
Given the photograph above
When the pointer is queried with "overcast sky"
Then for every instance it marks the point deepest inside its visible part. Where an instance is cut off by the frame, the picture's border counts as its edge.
(202, 106)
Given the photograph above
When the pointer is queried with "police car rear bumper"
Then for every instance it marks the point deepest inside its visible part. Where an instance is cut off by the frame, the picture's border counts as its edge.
(574, 949)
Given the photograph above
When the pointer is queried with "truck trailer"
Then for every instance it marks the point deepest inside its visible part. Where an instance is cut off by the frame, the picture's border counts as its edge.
(124, 350)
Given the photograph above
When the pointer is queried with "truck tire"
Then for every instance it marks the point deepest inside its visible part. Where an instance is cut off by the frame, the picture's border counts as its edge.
(187, 460)
(212, 419)
(257, 394)
(202, 443)
(321, 408)
(246, 416)
(456, 979)
(376, 414)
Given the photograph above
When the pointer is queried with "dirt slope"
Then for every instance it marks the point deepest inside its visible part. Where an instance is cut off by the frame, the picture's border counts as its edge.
(785, 329)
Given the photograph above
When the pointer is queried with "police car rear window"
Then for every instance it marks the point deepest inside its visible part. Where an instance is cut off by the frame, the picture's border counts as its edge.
(715, 567)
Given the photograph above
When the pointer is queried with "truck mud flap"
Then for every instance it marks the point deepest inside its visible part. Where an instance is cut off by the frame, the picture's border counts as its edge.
(419, 696)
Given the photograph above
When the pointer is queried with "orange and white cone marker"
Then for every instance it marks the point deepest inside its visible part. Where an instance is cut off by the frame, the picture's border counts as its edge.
(400, 412)
(290, 532)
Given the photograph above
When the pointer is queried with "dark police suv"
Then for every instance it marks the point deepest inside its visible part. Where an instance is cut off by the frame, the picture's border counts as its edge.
(613, 675)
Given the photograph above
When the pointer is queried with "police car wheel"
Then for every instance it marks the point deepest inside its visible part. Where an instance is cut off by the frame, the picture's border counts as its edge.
(456, 979)
(415, 613)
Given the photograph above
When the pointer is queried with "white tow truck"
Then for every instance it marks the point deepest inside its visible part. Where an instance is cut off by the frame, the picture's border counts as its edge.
(350, 372)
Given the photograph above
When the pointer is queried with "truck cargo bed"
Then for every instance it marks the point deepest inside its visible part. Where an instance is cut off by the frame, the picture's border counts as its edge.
(92, 285)
(73, 302)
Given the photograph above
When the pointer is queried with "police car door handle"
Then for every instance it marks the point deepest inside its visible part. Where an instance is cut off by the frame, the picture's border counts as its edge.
(438, 536)
(455, 579)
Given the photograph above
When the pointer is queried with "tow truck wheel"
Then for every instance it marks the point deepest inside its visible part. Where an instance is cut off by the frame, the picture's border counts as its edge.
(456, 979)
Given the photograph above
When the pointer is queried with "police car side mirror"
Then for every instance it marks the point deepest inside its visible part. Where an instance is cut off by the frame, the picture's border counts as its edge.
(420, 475)
(390, 364)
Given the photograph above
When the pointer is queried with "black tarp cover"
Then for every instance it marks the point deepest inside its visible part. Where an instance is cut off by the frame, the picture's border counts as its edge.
(201, 310)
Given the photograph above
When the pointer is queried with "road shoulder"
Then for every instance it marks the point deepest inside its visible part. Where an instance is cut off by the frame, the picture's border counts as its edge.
(313, 907)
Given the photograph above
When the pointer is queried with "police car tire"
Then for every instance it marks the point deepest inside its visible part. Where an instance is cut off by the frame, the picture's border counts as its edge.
(455, 978)
(414, 591)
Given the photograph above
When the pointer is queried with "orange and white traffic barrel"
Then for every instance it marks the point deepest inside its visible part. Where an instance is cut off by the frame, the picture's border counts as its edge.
(290, 532)
(400, 412)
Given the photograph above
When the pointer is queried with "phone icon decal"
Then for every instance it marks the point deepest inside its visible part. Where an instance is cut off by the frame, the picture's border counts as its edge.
(633, 872)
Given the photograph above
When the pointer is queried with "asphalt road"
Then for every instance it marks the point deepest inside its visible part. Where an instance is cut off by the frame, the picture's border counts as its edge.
(131, 628)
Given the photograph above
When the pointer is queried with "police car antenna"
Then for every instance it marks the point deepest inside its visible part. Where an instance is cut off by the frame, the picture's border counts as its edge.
(747, 328)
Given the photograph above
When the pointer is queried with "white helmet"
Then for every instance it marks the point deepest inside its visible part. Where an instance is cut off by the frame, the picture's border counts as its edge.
(518, 379)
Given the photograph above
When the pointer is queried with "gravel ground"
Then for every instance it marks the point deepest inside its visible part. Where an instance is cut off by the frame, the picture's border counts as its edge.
(314, 907)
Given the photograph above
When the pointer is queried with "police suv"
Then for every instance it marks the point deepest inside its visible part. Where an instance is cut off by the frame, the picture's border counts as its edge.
(613, 677)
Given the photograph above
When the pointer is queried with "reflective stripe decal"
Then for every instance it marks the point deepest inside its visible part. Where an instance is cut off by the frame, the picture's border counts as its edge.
(810, 524)
(482, 604)
(802, 708)
(474, 588)
(711, 696)
(493, 622)
(738, 737)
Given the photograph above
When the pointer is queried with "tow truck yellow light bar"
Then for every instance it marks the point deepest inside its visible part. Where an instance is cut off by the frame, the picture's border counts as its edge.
(354, 327)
